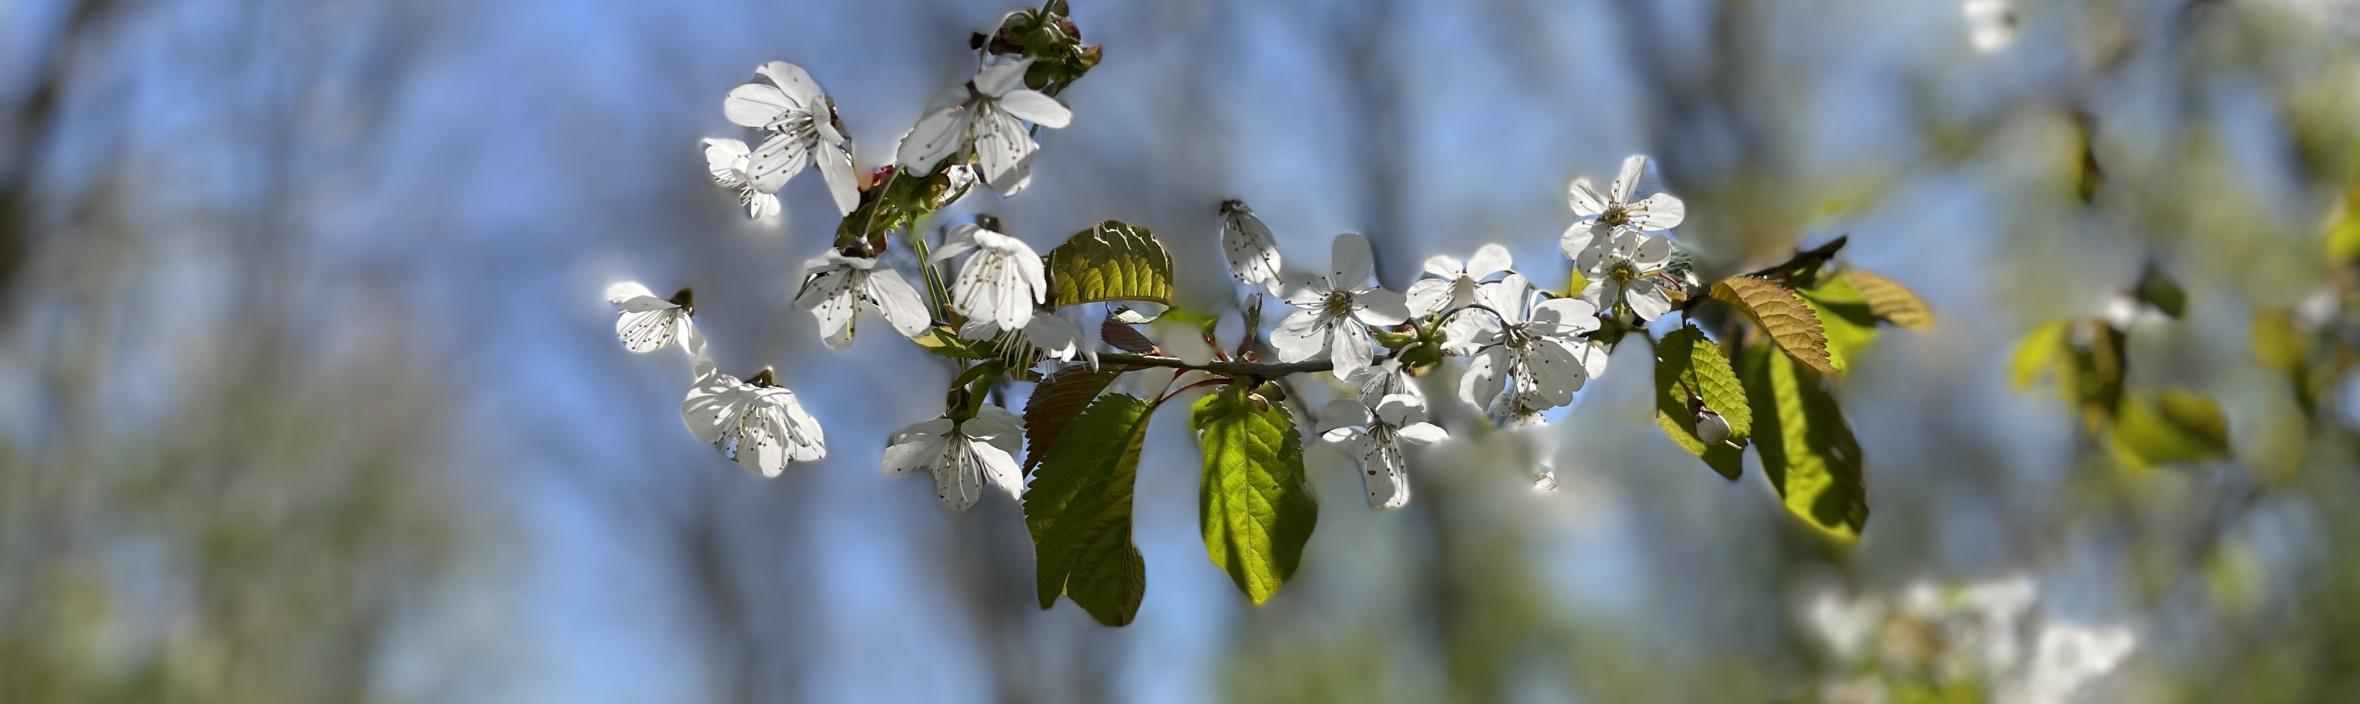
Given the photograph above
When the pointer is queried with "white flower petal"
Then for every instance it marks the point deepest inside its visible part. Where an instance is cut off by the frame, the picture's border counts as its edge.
(1352, 263)
(756, 105)
(778, 160)
(1423, 433)
(1253, 253)
(1350, 350)
(936, 137)
(1380, 307)
(1001, 147)
(1485, 374)
(1652, 253)
(1626, 183)
(1036, 107)
(796, 84)
(1301, 336)
(1584, 198)
(1428, 296)
(998, 79)
(1382, 471)
(1661, 211)
(1399, 409)
(1489, 259)
(900, 305)
(835, 167)
(715, 401)
(1647, 300)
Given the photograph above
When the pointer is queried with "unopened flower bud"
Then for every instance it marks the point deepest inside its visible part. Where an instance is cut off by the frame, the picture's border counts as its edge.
(1711, 427)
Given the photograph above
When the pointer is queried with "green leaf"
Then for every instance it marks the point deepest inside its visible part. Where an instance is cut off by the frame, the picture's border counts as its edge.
(1781, 314)
(1056, 401)
(1256, 508)
(1078, 510)
(2159, 291)
(2094, 377)
(1890, 301)
(1845, 316)
(2343, 231)
(1807, 450)
(1110, 262)
(2088, 176)
(2277, 342)
(2039, 351)
(1687, 363)
(2169, 426)
(944, 342)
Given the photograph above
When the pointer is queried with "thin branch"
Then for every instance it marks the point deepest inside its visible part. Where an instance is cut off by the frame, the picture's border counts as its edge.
(1804, 261)
(1257, 369)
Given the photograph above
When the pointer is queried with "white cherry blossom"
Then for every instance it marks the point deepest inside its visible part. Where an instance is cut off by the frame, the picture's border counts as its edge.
(988, 112)
(754, 422)
(646, 323)
(732, 167)
(2065, 658)
(1538, 358)
(1386, 378)
(1619, 209)
(1623, 271)
(1991, 24)
(964, 455)
(838, 288)
(801, 121)
(1000, 283)
(1337, 310)
(1374, 437)
(1046, 335)
(1450, 283)
(1253, 253)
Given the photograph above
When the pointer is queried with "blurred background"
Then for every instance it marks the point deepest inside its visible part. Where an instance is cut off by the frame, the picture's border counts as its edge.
(308, 392)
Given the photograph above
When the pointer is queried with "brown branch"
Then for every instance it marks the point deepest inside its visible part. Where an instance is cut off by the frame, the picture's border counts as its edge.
(1257, 369)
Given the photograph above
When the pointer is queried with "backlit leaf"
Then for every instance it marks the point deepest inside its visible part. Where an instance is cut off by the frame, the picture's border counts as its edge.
(1255, 505)
(1808, 451)
(1078, 510)
(1687, 363)
(1781, 314)
(1890, 301)
(1113, 261)
(1056, 401)
(2169, 426)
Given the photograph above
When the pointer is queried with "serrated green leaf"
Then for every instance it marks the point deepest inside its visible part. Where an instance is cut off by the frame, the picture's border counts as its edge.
(1890, 301)
(2168, 426)
(1256, 508)
(1078, 510)
(1056, 401)
(1113, 261)
(1807, 450)
(1687, 363)
(2038, 352)
(1784, 316)
(1844, 315)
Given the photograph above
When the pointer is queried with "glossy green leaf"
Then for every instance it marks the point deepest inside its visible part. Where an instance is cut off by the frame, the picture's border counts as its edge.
(1686, 363)
(1113, 261)
(1255, 505)
(1807, 450)
(1078, 510)
(1844, 315)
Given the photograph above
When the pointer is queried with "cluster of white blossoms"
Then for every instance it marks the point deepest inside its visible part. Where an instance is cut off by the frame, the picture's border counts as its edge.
(1985, 635)
(1529, 350)
(753, 421)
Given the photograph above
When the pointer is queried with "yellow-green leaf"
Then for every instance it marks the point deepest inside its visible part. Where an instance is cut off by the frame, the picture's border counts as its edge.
(1256, 508)
(1808, 452)
(2277, 342)
(1781, 314)
(1686, 363)
(2169, 426)
(2038, 352)
(2343, 231)
(1078, 510)
(1890, 301)
(943, 341)
(1844, 315)
(1113, 261)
